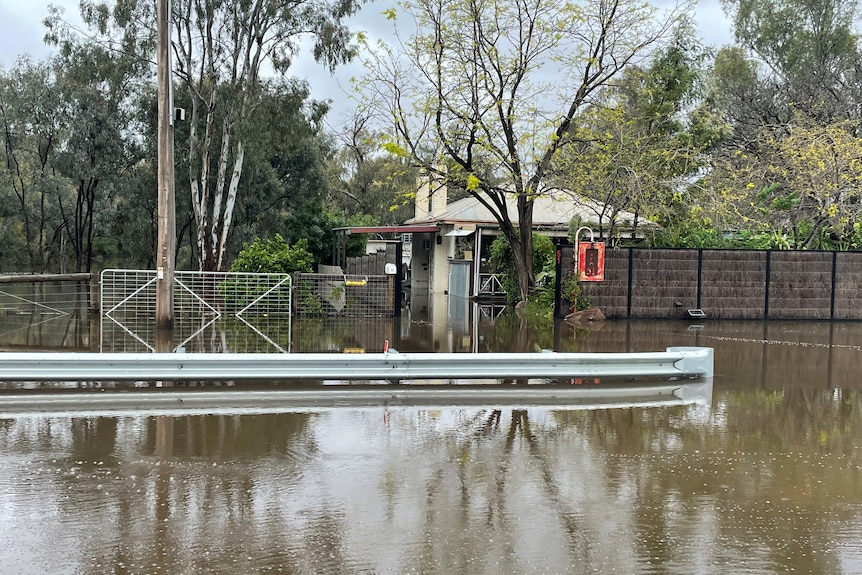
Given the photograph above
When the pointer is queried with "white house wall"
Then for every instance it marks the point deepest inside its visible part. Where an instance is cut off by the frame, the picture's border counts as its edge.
(420, 267)
(440, 264)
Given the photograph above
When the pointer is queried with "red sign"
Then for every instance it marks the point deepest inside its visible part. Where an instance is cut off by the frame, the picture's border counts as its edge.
(591, 261)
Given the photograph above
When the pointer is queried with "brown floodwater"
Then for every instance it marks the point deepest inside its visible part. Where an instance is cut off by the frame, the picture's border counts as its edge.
(764, 478)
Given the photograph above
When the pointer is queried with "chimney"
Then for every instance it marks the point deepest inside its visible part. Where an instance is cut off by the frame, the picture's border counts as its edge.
(421, 210)
(438, 192)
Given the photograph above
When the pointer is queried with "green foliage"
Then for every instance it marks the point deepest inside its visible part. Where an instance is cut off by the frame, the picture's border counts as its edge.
(809, 49)
(571, 292)
(643, 141)
(274, 255)
(307, 299)
(801, 183)
(315, 227)
(66, 126)
(544, 262)
(364, 180)
(686, 234)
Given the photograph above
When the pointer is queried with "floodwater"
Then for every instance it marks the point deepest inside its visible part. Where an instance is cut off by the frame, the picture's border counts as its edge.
(764, 478)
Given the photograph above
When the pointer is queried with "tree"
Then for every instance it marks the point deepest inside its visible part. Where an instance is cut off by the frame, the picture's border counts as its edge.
(33, 125)
(221, 47)
(97, 155)
(643, 143)
(285, 174)
(805, 55)
(805, 184)
(484, 93)
(66, 125)
(366, 181)
(790, 88)
(544, 264)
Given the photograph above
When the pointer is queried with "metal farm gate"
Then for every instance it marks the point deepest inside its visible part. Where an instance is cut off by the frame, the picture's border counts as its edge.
(213, 311)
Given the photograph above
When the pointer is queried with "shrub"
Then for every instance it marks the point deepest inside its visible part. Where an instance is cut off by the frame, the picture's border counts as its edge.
(274, 255)
(544, 266)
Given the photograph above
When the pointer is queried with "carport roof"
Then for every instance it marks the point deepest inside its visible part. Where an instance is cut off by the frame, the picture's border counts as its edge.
(408, 229)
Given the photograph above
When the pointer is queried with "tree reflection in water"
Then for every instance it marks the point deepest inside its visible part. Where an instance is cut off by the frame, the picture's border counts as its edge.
(766, 479)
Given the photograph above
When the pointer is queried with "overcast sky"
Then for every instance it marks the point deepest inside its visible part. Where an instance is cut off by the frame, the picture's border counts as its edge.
(22, 32)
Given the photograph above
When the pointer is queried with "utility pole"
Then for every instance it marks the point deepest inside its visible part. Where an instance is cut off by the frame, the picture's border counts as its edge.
(167, 205)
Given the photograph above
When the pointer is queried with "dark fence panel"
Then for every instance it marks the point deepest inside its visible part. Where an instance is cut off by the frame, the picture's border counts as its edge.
(729, 284)
(800, 285)
(848, 285)
(664, 282)
(372, 264)
(733, 284)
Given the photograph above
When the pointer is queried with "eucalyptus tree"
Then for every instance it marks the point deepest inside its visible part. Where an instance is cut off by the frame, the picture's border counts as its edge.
(799, 55)
(285, 186)
(221, 48)
(791, 87)
(67, 139)
(483, 93)
(34, 127)
(100, 150)
(790, 58)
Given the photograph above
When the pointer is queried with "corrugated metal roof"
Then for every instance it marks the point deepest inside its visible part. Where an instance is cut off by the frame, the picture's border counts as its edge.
(550, 209)
(405, 229)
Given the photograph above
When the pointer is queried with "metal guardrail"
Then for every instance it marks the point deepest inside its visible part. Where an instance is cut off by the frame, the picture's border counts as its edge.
(675, 362)
(239, 400)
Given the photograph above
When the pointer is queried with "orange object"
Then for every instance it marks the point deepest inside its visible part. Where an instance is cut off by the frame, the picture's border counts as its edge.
(591, 261)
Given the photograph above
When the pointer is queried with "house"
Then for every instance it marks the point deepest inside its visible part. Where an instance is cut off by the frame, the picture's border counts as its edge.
(453, 259)
(446, 246)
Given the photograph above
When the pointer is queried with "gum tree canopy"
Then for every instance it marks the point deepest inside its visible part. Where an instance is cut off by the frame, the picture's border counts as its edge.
(220, 48)
(483, 92)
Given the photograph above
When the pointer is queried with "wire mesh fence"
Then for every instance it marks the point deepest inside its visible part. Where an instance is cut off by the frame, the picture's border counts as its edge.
(338, 334)
(48, 311)
(37, 295)
(213, 311)
(347, 295)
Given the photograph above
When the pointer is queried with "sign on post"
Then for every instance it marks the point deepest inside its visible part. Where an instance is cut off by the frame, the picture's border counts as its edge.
(591, 261)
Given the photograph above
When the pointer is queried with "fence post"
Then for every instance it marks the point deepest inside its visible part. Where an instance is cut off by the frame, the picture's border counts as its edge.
(95, 304)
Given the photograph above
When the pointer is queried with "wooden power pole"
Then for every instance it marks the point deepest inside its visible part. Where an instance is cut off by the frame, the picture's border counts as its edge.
(167, 205)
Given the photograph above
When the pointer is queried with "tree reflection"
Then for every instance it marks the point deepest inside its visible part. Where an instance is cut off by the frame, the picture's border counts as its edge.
(763, 480)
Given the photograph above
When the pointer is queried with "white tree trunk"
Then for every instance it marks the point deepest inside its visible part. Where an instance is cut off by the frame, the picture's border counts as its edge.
(229, 204)
(215, 222)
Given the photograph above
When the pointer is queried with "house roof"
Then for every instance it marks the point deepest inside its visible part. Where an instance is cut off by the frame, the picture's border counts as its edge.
(406, 229)
(553, 209)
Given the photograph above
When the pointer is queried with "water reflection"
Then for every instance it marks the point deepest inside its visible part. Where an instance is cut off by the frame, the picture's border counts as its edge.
(672, 490)
(767, 478)
(768, 355)
(51, 331)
